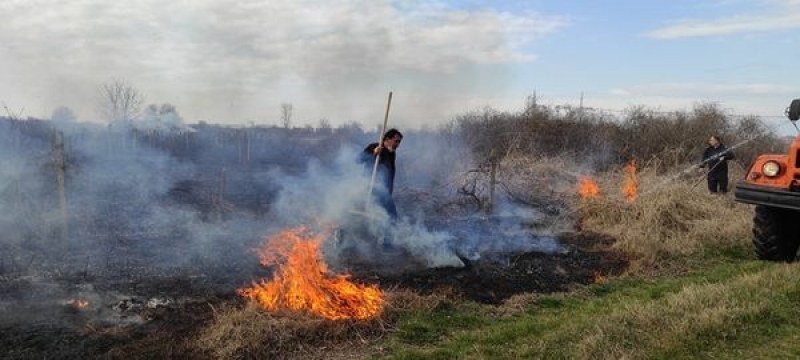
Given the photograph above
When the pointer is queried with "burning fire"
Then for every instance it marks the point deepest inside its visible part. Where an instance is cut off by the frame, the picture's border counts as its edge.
(78, 304)
(587, 188)
(631, 187)
(301, 282)
(597, 277)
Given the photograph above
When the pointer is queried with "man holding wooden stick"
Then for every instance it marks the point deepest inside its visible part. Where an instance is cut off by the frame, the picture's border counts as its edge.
(384, 155)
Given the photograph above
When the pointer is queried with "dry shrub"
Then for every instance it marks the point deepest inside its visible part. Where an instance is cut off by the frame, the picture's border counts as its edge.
(537, 180)
(540, 182)
(249, 332)
(670, 217)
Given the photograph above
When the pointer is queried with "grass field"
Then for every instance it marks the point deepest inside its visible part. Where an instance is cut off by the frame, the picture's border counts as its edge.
(727, 306)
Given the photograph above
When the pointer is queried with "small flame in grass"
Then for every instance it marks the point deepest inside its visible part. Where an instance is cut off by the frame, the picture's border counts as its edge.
(302, 283)
(78, 304)
(588, 188)
(631, 187)
(597, 277)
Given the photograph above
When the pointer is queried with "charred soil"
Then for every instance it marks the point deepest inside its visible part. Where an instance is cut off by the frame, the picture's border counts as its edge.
(585, 258)
(160, 316)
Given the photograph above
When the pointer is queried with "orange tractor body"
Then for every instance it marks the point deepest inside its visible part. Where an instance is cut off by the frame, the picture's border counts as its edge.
(761, 187)
(773, 185)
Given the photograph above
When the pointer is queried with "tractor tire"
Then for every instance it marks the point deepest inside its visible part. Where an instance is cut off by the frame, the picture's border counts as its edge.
(776, 235)
(794, 110)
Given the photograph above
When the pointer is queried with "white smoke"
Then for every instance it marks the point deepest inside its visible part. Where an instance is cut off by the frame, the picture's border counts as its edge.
(336, 194)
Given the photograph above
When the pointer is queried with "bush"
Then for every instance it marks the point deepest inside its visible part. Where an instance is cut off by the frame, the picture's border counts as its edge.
(602, 141)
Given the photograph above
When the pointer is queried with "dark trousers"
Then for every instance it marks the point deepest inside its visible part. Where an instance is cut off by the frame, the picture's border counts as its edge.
(718, 183)
(385, 200)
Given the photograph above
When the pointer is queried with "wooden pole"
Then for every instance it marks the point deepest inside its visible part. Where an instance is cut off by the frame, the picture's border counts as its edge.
(247, 143)
(378, 156)
(240, 143)
(221, 196)
(492, 182)
(61, 166)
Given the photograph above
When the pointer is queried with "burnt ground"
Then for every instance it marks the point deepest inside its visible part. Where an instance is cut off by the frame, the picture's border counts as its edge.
(159, 315)
(583, 258)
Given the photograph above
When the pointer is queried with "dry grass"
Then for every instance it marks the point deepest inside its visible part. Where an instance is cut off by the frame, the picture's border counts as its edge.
(249, 332)
(671, 217)
(515, 305)
(695, 311)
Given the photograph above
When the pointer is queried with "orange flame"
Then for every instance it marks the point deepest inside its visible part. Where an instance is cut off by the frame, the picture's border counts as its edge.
(631, 187)
(78, 304)
(301, 282)
(597, 277)
(588, 188)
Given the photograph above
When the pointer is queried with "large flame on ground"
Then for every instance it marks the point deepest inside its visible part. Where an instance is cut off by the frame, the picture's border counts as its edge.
(302, 283)
(631, 187)
(588, 188)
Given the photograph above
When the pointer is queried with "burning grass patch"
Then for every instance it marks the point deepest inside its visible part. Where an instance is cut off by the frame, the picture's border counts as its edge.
(669, 218)
(302, 282)
(238, 332)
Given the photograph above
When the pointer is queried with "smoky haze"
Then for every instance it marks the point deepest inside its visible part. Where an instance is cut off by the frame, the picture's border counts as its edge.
(236, 63)
(92, 210)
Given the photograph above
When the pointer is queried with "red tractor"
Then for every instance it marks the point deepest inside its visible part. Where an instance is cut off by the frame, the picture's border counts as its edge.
(773, 185)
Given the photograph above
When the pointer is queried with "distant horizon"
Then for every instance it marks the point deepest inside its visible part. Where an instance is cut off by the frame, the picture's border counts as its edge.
(778, 123)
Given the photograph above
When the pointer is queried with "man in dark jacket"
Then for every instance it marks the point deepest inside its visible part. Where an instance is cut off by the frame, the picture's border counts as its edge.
(384, 181)
(715, 158)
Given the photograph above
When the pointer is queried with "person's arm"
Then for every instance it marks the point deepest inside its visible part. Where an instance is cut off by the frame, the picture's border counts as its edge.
(367, 155)
(729, 155)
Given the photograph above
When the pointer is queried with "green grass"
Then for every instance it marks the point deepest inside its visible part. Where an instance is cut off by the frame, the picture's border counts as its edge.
(726, 306)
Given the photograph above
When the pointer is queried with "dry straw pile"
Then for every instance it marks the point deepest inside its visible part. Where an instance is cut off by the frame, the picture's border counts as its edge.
(248, 332)
(671, 217)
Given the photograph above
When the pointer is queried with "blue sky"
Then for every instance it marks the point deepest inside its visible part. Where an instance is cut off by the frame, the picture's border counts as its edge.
(237, 62)
(614, 53)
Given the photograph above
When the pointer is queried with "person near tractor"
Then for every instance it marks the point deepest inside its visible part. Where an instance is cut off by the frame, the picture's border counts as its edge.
(384, 181)
(715, 158)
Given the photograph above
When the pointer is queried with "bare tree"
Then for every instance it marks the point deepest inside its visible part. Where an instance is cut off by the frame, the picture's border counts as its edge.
(14, 115)
(286, 114)
(63, 114)
(324, 126)
(164, 117)
(119, 102)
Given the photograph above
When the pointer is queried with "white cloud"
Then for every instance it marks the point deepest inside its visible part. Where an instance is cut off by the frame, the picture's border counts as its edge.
(695, 90)
(778, 15)
(733, 25)
(207, 51)
(618, 91)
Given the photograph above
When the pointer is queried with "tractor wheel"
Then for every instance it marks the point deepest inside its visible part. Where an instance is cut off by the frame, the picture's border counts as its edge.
(775, 233)
(794, 110)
